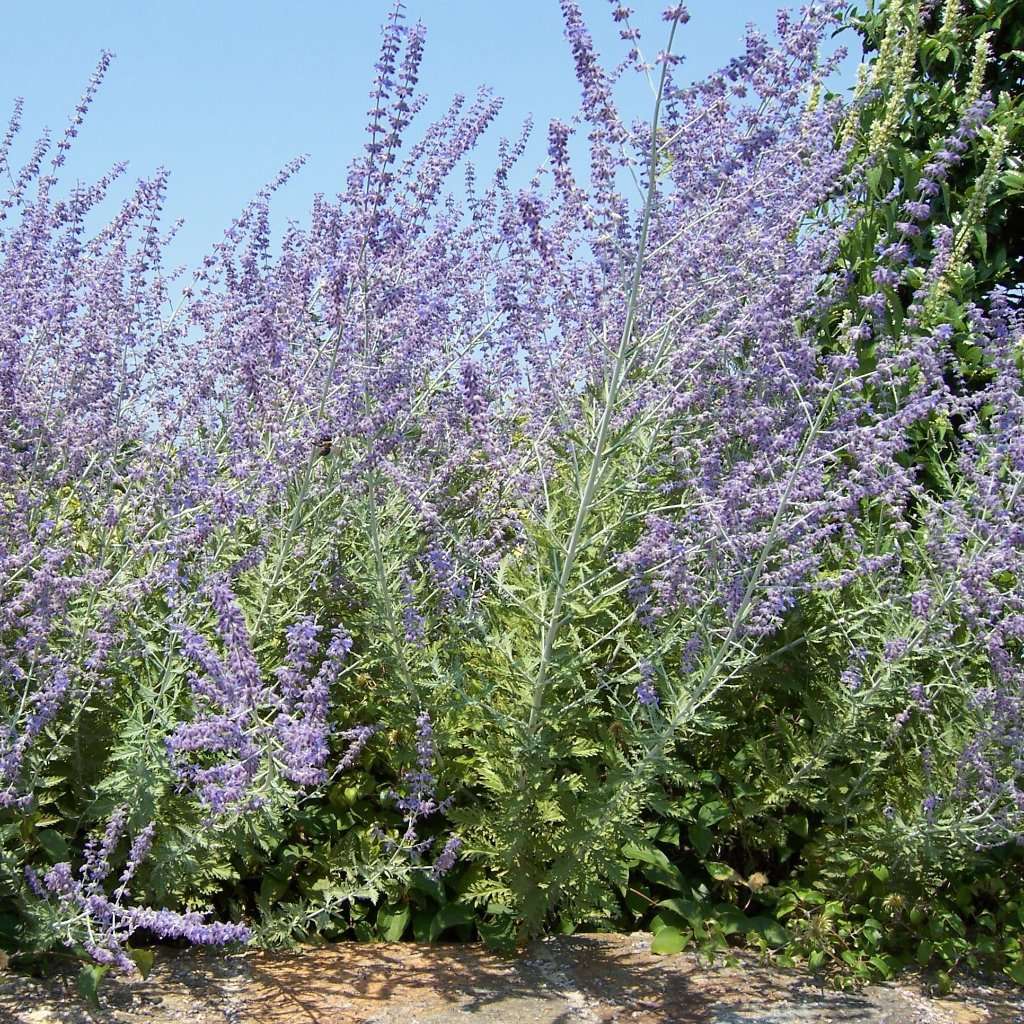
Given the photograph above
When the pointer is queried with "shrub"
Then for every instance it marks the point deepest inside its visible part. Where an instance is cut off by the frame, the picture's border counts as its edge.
(501, 562)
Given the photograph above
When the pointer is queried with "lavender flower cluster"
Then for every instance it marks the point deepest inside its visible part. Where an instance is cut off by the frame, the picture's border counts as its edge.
(89, 917)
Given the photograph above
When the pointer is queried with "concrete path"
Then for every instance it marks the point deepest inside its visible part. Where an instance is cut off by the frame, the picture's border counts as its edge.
(589, 979)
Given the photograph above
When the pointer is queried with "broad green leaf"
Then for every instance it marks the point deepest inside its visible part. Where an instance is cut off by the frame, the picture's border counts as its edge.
(54, 845)
(786, 905)
(700, 838)
(798, 825)
(719, 872)
(670, 877)
(712, 813)
(883, 965)
(668, 941)
(143, 959)
(731, 919)
(449, 917)
(646, 854)
(429, 887)
(773, 932)
(688, 909)
(422, 921)
(392, 922)
(89, 978)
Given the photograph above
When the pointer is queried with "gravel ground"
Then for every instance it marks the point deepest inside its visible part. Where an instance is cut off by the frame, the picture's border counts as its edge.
(592, 979)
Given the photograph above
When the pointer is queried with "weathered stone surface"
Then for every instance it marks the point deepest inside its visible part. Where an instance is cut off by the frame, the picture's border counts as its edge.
(582, 979)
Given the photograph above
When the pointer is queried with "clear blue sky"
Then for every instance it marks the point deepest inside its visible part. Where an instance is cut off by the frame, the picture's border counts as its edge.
(224, 93)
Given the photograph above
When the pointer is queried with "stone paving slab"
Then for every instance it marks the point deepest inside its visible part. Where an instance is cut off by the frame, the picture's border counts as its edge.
(579, 979)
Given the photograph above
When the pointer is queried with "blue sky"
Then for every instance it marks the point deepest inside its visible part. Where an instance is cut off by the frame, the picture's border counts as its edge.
(224, 93)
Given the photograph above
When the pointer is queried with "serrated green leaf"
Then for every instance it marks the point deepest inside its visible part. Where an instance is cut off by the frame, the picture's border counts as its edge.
(617, 873)
(498, 935)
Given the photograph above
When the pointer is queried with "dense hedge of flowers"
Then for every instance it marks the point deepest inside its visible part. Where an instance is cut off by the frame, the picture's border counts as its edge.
(467, 538)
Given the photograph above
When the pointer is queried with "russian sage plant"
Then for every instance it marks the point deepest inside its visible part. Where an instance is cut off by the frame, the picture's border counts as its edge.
(517, 500)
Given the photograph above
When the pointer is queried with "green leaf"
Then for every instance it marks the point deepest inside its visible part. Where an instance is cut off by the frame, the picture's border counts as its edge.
(27, 826)
(449, 917)
(273, 887)
(1013, 182)
(786, 905)
(422, 921)
(89, 978)
(666, 832)
(665, 920)
(646, 854)
(668, 941)
(720, 872)
(392, 922)
(143, 959)
(731, 919)
(798, 825)
(773, 932)
(1016, 971)
(981, 237)
(617, 873)
(429, 887)
(670, 877)
(10, 925)
(498, 935)
(712, 813)
(700, 838)
(54, 845)
(690, 910)
(882, 965)
(636, 903)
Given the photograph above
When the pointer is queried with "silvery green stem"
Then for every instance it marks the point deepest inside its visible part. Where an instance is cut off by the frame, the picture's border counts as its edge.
(583, 510)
